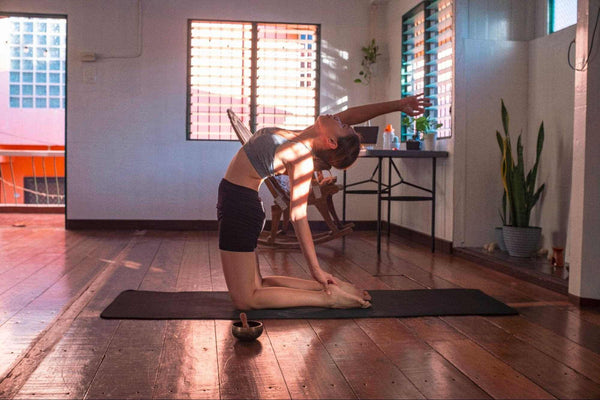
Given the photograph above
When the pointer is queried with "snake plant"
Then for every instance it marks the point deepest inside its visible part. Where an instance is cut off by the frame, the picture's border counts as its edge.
(519, 189)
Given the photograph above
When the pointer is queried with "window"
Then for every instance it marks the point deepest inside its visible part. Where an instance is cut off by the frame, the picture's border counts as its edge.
(427, 59)
(561, 13)
(37, 51)
(267, 73)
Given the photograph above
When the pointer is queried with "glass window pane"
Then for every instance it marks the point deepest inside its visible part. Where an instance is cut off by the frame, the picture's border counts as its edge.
(15, 52)
(40, 77)
(27, 39)
(54, 103)
(41, 65)
(41, 26)
(15, 39)
(27, 90)
(564, 13)
(15, 89)
(41, 39)
(15, 77)
(55, 65)
(40, 90)
(28, 27)
(54, 78)
(27, 77)
(27, 102)
(54, 90)
(15, 102)
(40, 102)
(42, 52)
(54, 52)
(27, 65)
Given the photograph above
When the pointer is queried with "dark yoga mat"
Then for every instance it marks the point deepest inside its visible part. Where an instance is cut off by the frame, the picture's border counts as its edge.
(133, 304)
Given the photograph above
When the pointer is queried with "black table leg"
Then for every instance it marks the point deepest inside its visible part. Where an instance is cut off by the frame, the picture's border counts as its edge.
(433, 206)
(379, 205)
(389, 204)
(344, 200)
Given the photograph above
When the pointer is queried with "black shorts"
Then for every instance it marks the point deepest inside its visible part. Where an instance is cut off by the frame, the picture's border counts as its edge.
(241, 217)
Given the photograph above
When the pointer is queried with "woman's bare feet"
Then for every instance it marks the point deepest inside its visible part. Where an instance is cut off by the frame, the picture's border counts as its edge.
(353, 290)
(342, 299)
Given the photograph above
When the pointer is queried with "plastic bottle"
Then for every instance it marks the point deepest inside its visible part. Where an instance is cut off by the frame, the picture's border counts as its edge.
(387, 137)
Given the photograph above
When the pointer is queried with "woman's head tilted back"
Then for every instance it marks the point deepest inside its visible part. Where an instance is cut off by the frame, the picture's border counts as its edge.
(341, 142)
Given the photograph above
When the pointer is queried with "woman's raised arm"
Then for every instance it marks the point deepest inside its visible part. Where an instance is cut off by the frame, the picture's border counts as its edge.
(412, 105)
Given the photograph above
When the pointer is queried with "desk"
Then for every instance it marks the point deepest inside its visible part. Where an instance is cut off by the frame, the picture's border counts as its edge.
(384, 192)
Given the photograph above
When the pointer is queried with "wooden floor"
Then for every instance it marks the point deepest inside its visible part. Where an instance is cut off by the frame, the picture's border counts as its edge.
(54, 283)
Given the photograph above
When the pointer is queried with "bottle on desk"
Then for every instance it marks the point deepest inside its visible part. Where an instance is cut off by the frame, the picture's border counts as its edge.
(388, 135)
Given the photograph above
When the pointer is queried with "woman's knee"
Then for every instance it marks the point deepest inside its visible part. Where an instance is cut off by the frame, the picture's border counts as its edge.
(243, 301)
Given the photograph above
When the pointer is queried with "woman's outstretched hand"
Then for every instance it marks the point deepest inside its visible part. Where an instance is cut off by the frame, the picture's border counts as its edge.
(324, 279)
(415, 105)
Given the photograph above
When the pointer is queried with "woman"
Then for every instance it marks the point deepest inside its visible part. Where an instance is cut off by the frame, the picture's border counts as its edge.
(241, 215)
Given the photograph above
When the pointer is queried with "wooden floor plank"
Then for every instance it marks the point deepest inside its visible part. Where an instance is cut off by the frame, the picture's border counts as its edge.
(549, 350)
(368, 371)
(54, 252)
(566, 324)
(130, 365)
(248, 370)
(188, 365)
(547, 372)
(577, 357)
(307, 367)
(70, 367)
(354, 248)
(71, 293)
(431, 373)
(465, 274)
(492, 375)
(31, 315)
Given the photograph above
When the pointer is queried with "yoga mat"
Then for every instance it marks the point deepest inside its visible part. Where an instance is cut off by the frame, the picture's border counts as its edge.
(134, 304)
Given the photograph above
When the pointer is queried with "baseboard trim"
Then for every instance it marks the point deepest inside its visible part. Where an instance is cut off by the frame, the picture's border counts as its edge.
(184, 225)
(36, 209)
(584, 302)
(441, 245)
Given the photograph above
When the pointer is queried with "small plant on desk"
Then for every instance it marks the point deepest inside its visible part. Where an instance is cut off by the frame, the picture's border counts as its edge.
(423, 128)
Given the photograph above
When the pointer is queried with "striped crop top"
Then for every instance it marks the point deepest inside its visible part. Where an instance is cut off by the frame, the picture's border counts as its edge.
(261, 148)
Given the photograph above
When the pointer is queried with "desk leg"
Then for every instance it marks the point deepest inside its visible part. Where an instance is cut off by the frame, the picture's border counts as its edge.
(379, 206)
(433, 205)
(344, 200)
(389, 204)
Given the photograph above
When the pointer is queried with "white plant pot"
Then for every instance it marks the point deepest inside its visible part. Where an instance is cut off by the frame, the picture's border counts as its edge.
(521, 242)
(429, 142)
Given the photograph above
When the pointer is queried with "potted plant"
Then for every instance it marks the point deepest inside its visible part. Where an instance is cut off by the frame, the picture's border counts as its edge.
(498, 230)
(370, 54)
(520, 238)
(422, 127)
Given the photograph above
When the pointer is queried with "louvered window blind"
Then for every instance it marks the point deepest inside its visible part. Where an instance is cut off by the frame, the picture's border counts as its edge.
(266, 72)
(427, 59)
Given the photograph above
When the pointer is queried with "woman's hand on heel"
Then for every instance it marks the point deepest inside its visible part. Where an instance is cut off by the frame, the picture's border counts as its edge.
(324, 278)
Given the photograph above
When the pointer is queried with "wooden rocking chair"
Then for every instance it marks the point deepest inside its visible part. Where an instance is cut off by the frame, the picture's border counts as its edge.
(322, 190)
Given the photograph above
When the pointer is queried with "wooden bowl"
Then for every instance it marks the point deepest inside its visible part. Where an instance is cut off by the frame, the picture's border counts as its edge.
(254, 330)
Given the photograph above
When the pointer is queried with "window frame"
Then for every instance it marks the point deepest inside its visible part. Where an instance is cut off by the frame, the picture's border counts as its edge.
(430, 70)
(254, 67)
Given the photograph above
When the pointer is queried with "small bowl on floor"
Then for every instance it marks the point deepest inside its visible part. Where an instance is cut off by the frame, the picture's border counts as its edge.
(253, 330)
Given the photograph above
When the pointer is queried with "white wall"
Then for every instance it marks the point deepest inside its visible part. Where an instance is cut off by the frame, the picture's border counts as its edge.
(127, 154)
(504, 55)
(551, 99)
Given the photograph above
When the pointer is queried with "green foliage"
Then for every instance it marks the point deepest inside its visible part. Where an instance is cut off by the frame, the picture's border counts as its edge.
(520, 194)
(422, 124)
(370, 54)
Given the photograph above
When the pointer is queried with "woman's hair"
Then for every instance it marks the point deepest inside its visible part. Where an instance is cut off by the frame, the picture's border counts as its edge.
(344, 154)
